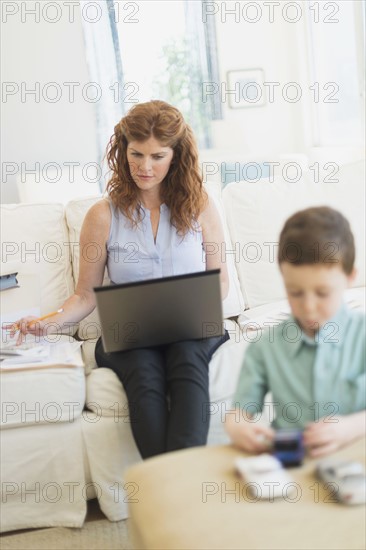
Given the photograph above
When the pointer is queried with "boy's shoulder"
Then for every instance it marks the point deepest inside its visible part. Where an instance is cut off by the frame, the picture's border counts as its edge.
(357, 315)
(357, 322)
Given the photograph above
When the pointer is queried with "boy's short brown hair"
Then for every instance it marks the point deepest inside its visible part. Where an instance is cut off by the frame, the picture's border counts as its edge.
(317, 235)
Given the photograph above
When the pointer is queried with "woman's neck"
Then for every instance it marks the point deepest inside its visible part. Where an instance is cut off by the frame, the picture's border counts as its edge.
(151, 203)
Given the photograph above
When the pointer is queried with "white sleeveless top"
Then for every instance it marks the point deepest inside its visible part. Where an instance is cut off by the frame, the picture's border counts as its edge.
(134, 256)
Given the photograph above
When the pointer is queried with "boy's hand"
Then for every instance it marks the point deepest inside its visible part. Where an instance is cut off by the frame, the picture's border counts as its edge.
(329, 434)
(248, 435)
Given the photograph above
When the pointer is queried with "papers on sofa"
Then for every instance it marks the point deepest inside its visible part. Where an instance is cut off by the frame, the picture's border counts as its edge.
(40, 353)
(25, 353)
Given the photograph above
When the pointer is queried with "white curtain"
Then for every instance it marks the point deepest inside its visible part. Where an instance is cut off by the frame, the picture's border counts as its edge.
(105, 70)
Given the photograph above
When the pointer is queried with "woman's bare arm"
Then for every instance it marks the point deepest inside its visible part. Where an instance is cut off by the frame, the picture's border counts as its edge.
(214, 244)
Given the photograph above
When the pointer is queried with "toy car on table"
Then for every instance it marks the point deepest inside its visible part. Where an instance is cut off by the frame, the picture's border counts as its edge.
(265, 476)
(347, 479)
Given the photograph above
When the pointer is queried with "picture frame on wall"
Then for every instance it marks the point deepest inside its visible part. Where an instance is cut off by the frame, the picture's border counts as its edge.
(246, 87)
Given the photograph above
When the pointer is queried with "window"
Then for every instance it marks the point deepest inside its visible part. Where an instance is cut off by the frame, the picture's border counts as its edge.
(167, 53)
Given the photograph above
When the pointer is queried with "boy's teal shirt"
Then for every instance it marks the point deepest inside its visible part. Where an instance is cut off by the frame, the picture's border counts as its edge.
(308, 378)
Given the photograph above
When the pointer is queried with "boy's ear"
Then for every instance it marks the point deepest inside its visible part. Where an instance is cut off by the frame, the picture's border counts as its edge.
(352, 276)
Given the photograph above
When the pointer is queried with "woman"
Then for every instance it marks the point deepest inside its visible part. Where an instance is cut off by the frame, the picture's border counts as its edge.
(156, 221)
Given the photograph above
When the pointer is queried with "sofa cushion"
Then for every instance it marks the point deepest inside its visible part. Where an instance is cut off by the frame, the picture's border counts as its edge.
(256, 213)
(41, 395)
(35, 240)
(88, 353)
(105, 395)
(234, 302)
(43, 480)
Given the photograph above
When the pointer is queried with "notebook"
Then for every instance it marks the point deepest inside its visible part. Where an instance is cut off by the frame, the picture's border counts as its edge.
(160, 311)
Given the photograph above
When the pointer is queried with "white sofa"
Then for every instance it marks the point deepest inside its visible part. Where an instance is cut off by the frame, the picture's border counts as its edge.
(52, 463)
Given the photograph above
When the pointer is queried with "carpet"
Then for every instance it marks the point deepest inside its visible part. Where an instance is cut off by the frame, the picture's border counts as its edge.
(97, 534)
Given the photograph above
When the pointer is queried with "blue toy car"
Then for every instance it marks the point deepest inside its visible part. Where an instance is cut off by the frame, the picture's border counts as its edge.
(288, 447)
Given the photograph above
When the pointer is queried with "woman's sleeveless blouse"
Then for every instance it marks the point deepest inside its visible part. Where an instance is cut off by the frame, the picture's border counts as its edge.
(134, 256)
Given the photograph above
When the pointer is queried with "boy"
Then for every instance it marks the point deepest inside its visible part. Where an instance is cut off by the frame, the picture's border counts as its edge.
(314, 363)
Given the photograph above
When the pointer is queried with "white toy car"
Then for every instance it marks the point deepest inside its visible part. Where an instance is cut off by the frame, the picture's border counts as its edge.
(265, 476)
(347, 478)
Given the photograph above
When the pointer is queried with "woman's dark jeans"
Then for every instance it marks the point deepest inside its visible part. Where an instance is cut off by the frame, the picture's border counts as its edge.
(167, 392)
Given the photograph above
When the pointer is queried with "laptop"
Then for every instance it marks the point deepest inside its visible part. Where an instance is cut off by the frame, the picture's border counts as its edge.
(160, 311)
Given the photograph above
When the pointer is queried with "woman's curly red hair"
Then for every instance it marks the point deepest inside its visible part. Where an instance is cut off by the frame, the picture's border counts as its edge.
(182, 189)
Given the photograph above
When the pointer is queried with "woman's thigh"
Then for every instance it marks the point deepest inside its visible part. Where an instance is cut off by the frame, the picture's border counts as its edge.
(140, 365)
(196, 352)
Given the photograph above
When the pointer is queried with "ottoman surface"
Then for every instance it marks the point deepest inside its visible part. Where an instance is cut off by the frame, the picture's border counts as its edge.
(192, 499)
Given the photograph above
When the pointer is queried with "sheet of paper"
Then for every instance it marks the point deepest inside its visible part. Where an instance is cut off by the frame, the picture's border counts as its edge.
(57, 353)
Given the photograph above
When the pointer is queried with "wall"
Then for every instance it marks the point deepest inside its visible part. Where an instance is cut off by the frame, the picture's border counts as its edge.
(43, 131)
(277, 126)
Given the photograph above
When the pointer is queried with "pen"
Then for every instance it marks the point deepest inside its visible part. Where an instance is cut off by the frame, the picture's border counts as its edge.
(42, 318)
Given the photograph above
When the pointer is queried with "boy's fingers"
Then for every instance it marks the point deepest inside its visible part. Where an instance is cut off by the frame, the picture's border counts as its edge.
(253, 447)
(323, 449)
(267, 431)
(264, 436)
(257, 443)
(313, 432)
(320, 435)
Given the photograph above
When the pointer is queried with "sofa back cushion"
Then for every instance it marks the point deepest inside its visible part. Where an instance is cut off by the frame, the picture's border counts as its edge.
(90, 327)
(256, 213)
(35, 240)
(234, 303)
